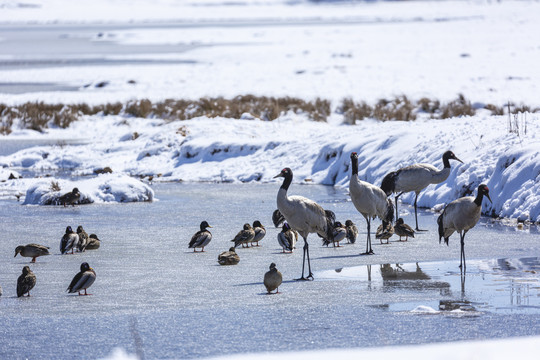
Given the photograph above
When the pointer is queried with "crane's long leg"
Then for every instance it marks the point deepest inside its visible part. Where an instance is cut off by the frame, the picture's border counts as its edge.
(462, 264)
(310, 276)
(416, 213)
(396, 199)
(369, 250)
(306, 251)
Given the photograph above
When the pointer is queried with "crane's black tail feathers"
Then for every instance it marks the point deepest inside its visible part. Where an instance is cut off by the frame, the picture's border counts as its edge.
(441, 229)
(330, 220)
(277, 218)
(388, 184)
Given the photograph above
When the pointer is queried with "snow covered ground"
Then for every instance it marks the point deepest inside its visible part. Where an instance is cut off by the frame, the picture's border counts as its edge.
(365, 50)
(253, 150)
(523, 348)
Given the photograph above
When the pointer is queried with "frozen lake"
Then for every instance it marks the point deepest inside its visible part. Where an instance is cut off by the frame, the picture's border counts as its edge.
(156, 297)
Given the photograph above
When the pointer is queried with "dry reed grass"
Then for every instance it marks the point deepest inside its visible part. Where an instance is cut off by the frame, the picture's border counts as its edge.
(39, 115)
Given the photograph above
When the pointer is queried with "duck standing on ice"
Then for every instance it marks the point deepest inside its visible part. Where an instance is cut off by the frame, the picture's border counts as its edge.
(201, 238)
(32, 250)
(82, 280)
(272, 279)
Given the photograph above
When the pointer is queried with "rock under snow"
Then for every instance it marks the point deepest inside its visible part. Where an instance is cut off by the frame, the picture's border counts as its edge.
(104, 188)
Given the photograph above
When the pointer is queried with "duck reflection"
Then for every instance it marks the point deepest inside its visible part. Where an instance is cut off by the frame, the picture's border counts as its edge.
(399, 273)
(398, 277)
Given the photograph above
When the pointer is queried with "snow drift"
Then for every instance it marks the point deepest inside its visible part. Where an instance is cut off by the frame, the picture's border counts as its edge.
(102, 189)
(230, 150)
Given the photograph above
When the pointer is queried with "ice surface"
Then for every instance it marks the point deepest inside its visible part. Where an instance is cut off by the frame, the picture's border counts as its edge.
(154, 295)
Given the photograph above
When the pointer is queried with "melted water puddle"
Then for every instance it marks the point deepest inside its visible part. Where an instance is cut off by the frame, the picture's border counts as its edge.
(501, 285)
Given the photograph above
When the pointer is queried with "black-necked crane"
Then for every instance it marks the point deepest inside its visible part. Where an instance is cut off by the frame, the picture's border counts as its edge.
(416, 178)
(303, 215)
(370, 201)
(461, 215)
(403, 230)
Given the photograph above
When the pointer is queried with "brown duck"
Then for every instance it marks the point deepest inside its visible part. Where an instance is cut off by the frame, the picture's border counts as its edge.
(272, 279)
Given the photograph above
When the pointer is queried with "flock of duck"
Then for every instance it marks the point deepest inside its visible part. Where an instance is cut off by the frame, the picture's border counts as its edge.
(299, 216)
(71, 240)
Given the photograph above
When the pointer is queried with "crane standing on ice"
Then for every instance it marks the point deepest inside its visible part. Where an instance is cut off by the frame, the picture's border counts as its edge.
(416, 178)
(370, 201)
(461, 215)
(303, 215)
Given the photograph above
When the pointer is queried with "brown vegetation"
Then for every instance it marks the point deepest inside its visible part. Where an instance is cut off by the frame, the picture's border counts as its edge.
(39, 115)
(402, 109)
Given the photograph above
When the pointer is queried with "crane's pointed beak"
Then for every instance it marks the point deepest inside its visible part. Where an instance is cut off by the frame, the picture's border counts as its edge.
(455, 158)
(278, 175)
(487, 195)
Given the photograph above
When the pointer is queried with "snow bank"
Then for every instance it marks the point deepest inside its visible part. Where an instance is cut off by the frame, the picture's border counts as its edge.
(6, 174)
(104, 188)
(521, 348)
(229, 150)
